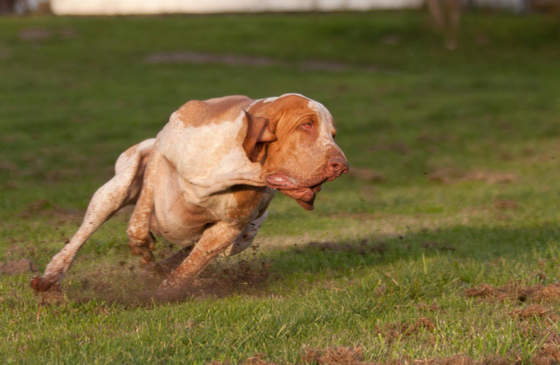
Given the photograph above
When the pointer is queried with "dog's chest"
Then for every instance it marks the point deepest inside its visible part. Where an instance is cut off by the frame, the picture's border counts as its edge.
(181, 218)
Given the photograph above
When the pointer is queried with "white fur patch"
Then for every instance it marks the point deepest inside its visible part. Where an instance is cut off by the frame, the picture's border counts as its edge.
(326, 125)
(209, 156)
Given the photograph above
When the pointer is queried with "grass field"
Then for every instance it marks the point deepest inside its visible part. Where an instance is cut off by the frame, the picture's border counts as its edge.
(443, 244)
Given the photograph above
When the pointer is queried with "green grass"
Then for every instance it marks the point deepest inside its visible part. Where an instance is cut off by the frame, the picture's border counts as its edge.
(485, 119)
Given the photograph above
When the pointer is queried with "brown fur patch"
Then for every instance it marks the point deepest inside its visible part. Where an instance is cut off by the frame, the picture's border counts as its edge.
(196, 112)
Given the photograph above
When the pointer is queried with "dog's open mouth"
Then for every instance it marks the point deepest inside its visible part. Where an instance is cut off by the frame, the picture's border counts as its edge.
(303, 195)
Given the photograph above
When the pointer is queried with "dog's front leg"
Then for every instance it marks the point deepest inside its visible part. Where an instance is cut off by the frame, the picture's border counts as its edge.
(213, 241)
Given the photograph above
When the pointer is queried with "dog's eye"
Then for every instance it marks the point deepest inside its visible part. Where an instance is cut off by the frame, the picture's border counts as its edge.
(306, 126)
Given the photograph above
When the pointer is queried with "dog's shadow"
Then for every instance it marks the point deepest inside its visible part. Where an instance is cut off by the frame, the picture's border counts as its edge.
(262, 272)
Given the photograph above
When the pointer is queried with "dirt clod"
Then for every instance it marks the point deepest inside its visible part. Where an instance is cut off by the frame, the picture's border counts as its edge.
(486, 291)
(334, 356)
(258, 359)
(515, 291)
(395, 331)
(534, 310)
(547, 355)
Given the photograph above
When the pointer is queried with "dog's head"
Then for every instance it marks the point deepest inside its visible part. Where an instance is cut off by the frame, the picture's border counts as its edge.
(293, 138)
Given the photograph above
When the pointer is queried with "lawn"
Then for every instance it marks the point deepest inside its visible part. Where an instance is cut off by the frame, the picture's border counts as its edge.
(442, 244)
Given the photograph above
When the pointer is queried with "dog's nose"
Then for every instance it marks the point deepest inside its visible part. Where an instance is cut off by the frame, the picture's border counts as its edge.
(337, 166)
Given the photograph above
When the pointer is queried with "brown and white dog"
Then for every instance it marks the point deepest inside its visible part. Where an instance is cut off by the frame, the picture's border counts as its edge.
(207, 178)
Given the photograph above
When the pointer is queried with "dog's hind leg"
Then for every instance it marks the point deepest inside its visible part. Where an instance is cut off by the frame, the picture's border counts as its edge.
(140, 238)
(121, 190)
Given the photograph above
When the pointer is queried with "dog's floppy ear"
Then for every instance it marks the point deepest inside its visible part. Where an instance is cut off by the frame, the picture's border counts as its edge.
(258, 132)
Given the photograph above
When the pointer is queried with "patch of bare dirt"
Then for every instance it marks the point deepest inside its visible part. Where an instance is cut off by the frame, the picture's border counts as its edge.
(361, 248)
(45, 208)
(445, 175)
(547, 355)
(487, 291)
(5, 53)
(458, 360)
(363, 216)
(366, 174)
(429, 308)
(540, 293)
(258, 359)
(343, 355)
(453, 360)
(15, 267)
(8, 166)
(438, 246)
(515, 291)
(325, 66)
(247, 60)
(492, 177)
(395, 331)
(133, 285)
(203, 58)
(391, 39)
(535, 310)
(449, 175)
(505, 204)
(42, 34)
(334, 356)
(35, 34)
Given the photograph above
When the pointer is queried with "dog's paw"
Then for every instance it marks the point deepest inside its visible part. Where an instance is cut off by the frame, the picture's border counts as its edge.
(41, 284)
(144, 250)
